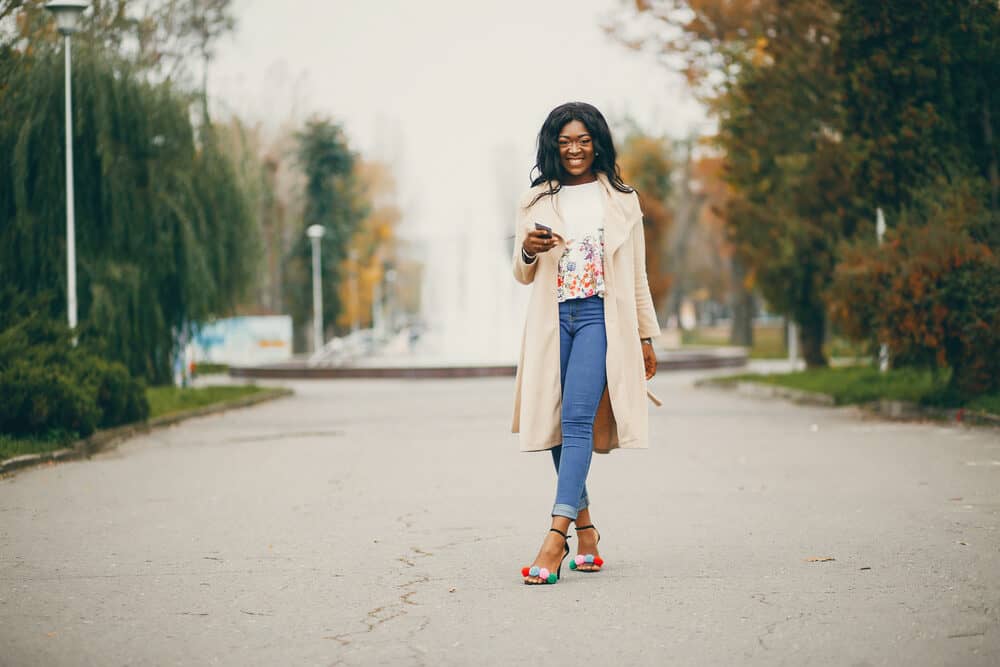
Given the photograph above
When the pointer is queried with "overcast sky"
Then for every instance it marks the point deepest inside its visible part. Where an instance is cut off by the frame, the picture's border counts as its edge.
(452, 92)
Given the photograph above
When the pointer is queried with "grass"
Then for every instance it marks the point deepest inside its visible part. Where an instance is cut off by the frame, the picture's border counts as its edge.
(989, 403)
(768, 342)
(168, 400)
(11, 446)
(162, 401)
(863, 384)
(211, 369)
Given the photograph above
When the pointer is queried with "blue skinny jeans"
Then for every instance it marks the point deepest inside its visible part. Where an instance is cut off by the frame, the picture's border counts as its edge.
(583, 347)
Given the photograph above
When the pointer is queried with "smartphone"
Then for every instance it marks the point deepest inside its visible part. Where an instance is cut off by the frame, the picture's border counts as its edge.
(542, 228)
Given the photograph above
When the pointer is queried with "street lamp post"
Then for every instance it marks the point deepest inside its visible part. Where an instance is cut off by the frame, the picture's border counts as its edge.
(390, 299)
(355, 299)
(67, 13)
(315, 233)
(883, 349)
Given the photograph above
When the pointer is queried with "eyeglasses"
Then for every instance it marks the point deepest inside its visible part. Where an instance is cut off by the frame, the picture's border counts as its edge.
(579, 143)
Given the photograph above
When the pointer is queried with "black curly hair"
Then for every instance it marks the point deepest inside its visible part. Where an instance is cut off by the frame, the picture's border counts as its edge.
(549, 166)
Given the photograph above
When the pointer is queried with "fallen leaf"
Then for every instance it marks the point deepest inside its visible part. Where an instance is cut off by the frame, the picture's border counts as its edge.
(452, 589)
(819, 559)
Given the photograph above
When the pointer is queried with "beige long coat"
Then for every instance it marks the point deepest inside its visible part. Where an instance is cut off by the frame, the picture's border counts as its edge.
(622, 419)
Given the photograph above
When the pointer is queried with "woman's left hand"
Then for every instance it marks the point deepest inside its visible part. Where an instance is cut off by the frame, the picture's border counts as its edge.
(649, 359)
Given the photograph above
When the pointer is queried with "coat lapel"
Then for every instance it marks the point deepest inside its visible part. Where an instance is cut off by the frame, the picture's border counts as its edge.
(617, 225)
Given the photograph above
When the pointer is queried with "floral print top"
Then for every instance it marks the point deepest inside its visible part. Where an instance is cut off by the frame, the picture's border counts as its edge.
(581, 268)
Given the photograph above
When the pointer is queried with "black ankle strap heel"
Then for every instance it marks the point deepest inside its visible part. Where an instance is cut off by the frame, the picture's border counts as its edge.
(544, 573)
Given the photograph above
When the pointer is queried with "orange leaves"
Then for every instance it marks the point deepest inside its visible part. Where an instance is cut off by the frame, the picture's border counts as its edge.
(372, 246)
(759, 56)
(930, 293)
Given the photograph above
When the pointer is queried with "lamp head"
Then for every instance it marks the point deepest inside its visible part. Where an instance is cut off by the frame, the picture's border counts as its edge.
(315, 231)
(67, 14)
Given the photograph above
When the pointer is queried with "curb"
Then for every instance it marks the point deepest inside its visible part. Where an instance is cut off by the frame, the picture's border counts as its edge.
(884, 407)
(908, 411)
(109, 438)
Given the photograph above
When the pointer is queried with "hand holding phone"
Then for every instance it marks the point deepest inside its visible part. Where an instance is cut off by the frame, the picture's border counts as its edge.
(541, 239)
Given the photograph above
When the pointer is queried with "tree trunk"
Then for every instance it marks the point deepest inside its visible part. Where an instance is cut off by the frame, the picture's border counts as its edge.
(812, 330)
(742, 303)
(994, 171)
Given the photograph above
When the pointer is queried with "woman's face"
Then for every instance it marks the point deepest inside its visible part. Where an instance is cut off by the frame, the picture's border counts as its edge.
(576, 152)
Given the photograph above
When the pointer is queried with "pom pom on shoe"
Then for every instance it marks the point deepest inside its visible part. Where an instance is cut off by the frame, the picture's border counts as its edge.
(599, 562)
(589, 558)
(544, 573)
(533, 572)
(572, 564)
(580, 559)
(524, 571)
(553, 578)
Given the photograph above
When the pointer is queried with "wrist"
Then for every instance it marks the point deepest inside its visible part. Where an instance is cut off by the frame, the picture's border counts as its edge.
(527, 256)
(646, 341)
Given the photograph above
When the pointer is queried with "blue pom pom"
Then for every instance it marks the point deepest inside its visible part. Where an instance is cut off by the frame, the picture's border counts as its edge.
(590, 558)
(533, 572)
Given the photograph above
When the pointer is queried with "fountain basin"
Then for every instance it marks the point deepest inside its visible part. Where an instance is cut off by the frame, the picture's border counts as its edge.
(667, 360)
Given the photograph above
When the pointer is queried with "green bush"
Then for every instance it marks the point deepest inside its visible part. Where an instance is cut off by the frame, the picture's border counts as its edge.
(50, 385)
(120, 397)
(41, 399)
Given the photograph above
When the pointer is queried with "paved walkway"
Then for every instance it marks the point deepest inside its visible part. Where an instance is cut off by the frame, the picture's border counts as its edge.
(384, 522)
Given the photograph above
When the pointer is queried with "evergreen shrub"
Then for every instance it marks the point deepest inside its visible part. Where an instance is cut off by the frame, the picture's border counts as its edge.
(49, 385)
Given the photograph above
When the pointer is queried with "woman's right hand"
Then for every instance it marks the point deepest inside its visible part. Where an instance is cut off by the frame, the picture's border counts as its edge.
(538, 241)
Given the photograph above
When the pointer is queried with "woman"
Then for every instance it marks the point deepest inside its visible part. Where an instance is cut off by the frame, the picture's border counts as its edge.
(586, 350)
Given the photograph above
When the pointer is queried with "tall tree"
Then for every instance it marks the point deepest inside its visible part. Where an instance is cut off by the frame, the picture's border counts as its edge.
(164, 238)
(766, 70)
(921, 109)
(333, 200)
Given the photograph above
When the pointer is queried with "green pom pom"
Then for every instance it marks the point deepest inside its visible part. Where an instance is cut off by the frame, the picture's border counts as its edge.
(553, 578)
(572, 565)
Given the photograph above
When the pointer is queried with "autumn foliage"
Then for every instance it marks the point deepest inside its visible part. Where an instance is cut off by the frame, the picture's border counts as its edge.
(829, 110)
(645, 163)
(931, 292)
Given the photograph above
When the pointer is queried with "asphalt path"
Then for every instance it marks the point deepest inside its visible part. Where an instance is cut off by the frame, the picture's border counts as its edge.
(384, 522)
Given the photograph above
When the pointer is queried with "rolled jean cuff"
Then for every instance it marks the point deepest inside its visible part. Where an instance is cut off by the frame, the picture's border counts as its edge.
(567, 511)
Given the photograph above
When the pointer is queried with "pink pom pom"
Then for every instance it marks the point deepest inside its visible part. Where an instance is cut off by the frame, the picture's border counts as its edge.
(580, 559)
(544, 573)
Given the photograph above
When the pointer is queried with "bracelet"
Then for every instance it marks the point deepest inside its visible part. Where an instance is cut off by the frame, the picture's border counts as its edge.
(528, 258)
(646, 341)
